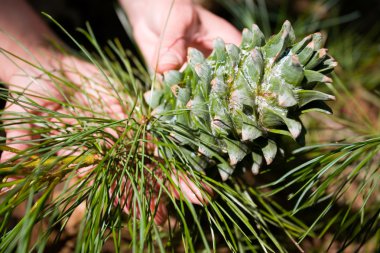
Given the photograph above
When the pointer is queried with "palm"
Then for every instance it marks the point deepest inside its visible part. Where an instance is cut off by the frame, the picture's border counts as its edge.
(89, 94)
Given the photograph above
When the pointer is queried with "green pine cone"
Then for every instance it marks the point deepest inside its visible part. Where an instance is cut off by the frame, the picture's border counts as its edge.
(238, 98)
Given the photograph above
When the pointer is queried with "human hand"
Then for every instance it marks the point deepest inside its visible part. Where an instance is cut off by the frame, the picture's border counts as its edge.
(30, 77)
(164, 29)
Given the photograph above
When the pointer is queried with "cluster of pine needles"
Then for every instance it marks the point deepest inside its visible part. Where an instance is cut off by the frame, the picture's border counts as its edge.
(71, 181)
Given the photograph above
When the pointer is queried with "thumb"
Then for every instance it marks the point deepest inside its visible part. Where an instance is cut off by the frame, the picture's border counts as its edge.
(162, 33)
(161, 54)
(171, 54)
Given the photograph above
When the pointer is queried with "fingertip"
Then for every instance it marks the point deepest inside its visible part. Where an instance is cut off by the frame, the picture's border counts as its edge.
(190, 191)
(5, 156)
(161, 215)
(162, 68)
(168, 61)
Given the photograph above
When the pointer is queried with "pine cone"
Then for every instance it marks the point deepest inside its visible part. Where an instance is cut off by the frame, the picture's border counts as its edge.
(239, 99)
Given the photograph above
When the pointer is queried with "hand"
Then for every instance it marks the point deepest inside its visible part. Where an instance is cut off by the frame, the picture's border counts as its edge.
(164, 29)
(26, 78)
(25, 35)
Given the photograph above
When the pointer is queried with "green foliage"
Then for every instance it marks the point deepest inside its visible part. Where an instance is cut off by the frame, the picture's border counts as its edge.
(321, 197)
(345, 174)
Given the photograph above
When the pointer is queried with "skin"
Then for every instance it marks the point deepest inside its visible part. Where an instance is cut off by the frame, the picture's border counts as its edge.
(164, 31)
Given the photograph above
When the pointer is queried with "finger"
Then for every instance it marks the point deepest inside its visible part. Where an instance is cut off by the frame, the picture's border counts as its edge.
(212, 28)
(172, 57)
(126, 200)
(163, 38)
(182, 23)
(161, 212)
(195, 193)
(163, 53)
